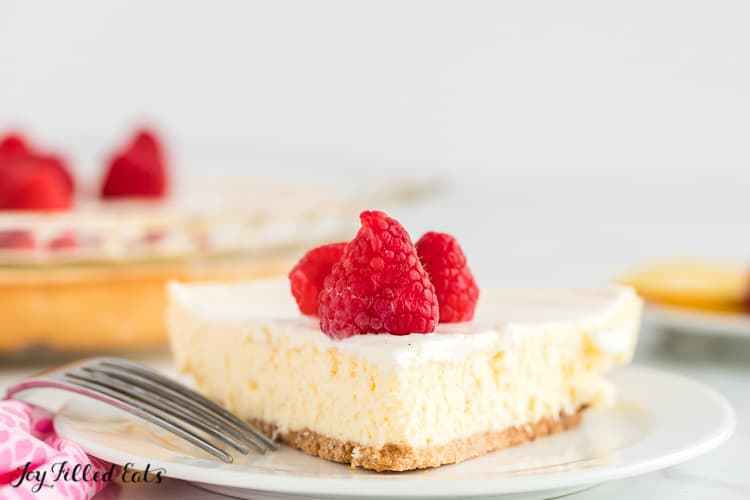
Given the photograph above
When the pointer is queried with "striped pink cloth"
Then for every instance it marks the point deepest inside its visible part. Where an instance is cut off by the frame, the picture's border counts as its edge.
(36, 463)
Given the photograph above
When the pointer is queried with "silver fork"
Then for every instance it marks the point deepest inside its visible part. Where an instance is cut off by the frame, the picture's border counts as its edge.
(158, 399)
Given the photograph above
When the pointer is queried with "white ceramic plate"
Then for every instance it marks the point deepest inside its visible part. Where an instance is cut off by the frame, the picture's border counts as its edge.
(660, 420)
(698, 322)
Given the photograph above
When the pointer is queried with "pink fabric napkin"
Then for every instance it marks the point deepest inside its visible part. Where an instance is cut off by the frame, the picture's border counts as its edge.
(35, 463)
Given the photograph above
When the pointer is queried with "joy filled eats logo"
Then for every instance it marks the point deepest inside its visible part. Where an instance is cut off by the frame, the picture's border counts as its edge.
(64, 471)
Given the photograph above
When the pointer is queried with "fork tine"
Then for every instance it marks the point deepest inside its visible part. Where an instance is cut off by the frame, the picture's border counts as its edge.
(153, 417)
(192, 395)
(185, 406)
(141, 380)
(162, 404)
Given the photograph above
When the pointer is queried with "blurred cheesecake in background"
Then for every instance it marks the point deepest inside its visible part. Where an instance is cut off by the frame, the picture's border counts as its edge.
(103, 286)
(698, 284)
(87, 271)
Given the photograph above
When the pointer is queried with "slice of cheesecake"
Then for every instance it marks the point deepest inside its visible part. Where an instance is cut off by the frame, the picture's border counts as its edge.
(528, 365)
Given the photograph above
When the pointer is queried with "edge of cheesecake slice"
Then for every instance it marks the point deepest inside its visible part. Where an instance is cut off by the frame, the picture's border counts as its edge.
(529, 365)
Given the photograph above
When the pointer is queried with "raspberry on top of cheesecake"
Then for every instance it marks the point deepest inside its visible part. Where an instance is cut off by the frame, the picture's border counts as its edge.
(381, 283)
(384, 354)
(38, 197)
(139, 212)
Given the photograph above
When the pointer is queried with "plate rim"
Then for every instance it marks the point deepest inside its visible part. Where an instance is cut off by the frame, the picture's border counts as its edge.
(696, 322)
(368, 486)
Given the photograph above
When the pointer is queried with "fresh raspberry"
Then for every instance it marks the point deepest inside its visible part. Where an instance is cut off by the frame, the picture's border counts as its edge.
(457, 292)
(307, 276)
(30, 180)
(33, 183)
(12, 145)
(379, 285)
(60, 166)
(15, 148)
(154, 236)
(139, 170)
(16, 239)
(65, 241)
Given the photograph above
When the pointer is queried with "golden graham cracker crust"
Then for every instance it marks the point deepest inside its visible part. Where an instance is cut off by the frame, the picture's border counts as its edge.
(397, 457)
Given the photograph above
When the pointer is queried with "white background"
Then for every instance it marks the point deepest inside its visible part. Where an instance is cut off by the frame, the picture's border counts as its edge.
(644, 85)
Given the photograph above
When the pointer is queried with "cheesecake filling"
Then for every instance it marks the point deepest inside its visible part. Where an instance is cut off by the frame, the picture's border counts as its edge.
(528, 356)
